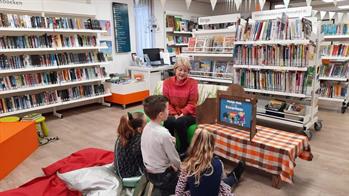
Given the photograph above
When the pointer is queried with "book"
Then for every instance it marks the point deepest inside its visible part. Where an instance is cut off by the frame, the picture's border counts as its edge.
(218, 44)
(228, 44)
(191, 44)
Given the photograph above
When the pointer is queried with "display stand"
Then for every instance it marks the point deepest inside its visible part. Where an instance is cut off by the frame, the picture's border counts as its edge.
(334, 42)
(211, 49)
(268, 79)
(54, 102)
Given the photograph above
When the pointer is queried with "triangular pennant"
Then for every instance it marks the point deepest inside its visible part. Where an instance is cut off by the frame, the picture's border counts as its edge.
(188, 2)
(314, 12)
(261, 4)
(286, 2)
(163, 2)
(339, 17)
(213, 3)
(322, 14)
(249, 4)
(335, 2)
(237, 4)
(137, 1)
(308, 2)
(331, 14)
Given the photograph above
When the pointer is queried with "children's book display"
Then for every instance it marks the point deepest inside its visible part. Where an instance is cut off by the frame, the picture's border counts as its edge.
(178, 32)
(49, 61)
(334, 69)
(275, 55)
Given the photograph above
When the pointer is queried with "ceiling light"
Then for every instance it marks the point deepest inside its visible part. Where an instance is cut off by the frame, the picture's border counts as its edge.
(342, 7)
(279, 6)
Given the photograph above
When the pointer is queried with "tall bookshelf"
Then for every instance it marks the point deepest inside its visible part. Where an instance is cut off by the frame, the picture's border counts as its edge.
(49, 62)
(288, 80)
(334, 71)
(210, 49)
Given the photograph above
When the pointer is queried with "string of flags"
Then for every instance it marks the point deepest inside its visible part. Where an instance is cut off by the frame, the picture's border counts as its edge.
(259, 5)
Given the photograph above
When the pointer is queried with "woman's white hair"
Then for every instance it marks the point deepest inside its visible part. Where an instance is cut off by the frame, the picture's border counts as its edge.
(182, 62)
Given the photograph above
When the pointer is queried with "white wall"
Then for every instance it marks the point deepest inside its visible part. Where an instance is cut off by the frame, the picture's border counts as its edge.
(176, 7)
(245, 11)
(104, 12)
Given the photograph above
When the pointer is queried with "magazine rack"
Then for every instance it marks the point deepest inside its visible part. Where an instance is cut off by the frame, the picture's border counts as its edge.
(211, 49)
(270, 80)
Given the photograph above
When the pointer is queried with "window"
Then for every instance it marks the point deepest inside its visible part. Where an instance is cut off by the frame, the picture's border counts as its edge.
(143, 17)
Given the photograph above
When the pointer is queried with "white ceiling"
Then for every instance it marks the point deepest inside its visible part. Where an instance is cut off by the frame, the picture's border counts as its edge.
(317, 4)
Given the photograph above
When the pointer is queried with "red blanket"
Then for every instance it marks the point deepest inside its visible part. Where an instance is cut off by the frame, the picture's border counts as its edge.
(51, 185)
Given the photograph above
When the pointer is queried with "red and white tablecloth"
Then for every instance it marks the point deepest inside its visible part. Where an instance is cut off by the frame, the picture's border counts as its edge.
(271, 150)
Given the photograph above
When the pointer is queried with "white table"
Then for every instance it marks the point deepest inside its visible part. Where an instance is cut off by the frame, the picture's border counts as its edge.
(151, 74)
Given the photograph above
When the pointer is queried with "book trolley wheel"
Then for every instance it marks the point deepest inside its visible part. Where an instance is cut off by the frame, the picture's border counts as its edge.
(318, 125)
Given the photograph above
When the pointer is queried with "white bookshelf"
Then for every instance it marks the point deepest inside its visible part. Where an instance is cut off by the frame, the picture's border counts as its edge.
(278, 68)
(215, 80)
(343, 102)
(214, 31)
(5, 31)
(309, 99)
(224, 55)
(182, 32)
(54, 67)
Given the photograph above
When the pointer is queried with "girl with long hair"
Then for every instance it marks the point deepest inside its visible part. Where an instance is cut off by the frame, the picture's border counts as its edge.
(128, 161)
(202, 172)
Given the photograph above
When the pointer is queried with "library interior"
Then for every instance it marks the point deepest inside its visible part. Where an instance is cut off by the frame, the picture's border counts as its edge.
(174, 97)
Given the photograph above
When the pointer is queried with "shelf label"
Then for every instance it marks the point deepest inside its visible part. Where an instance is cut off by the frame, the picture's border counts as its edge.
(218, 19)
(297, 12)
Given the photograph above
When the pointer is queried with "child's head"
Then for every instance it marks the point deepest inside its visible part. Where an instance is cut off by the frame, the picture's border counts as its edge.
(129, 125)
(200, 154)
(156, 107)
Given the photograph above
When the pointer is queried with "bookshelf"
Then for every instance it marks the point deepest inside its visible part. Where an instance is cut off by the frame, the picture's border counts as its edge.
(334, 71)
(49, 62)
(279, 65)
(178, 31)
(211, 48)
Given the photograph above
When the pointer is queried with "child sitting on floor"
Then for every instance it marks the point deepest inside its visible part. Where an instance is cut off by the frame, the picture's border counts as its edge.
(128, 160)
(160, 157)
(202, 172)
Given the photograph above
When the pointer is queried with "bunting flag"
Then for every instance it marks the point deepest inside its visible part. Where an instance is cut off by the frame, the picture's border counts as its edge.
(188, 2)
(213, 3)
(322, 14)
(137, 1)
(335, 2)
(261, 4)
(308, 2)
(249, 4)
(340, 16)
(163, 2)
(286, 3)
(237, 4)
(314, 12)
(331, 14)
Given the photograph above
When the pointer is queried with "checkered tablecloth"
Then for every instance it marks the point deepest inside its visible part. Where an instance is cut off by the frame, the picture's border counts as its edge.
(271, 150)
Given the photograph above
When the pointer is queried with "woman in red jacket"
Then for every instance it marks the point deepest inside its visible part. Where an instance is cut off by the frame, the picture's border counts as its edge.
(182, 93)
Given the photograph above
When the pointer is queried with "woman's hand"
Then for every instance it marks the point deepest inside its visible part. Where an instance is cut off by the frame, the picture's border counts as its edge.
(178, 116)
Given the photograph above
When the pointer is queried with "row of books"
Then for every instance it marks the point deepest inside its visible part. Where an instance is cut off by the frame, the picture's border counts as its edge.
(27, 101)
(335, 29)
(177, 39)
(27, 21)
(334, 90)
(334, 70)
(341, 50)
(289, 82)
(46, 78)
(276, 55)
(47, 41)
(180, 24)
(27, 61)
(277, 29)
(214, 44)
(217, 69)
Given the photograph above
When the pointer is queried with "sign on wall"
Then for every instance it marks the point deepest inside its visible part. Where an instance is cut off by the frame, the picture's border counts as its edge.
(121, 27)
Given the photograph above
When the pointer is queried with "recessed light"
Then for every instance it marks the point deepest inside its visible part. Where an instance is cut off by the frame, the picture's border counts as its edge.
(279, 6)
(331, 1)
(342, 7)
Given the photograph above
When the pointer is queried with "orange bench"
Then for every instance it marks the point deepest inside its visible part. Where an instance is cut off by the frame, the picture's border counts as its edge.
(17, 141)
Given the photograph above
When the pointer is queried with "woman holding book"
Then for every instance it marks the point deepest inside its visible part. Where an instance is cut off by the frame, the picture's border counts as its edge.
(202, 173)
(182, 93)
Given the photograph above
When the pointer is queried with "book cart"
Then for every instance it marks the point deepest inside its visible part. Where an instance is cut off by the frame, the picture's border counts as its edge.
(49, 61)
(210, 49)
(334, 69)
(277, 61)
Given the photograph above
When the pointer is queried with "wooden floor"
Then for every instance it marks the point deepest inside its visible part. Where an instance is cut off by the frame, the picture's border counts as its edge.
(95, 125)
